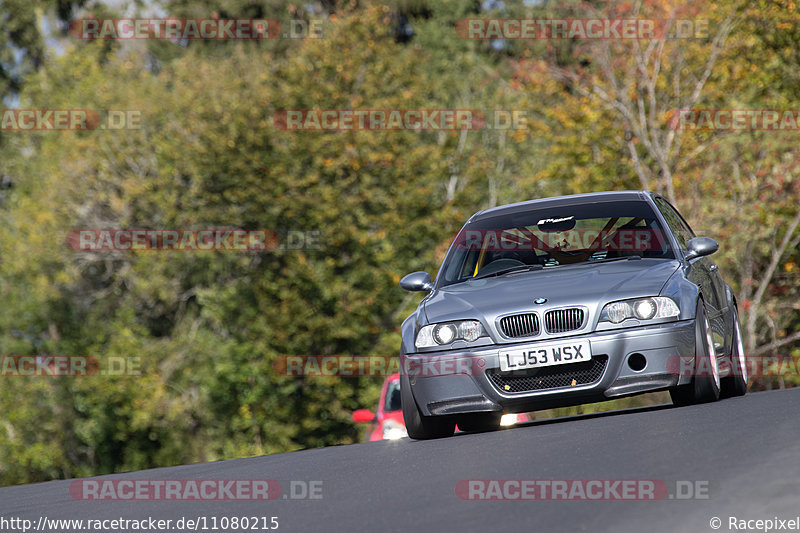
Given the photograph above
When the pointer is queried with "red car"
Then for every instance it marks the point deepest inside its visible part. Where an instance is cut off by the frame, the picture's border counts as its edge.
(387, 422)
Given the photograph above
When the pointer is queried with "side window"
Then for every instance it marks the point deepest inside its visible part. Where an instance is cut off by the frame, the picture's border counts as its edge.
(675, 221)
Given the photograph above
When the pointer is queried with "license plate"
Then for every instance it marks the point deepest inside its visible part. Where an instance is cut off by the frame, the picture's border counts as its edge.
(545, 355)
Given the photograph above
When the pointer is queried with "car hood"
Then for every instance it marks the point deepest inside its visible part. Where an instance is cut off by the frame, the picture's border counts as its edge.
(589, 285)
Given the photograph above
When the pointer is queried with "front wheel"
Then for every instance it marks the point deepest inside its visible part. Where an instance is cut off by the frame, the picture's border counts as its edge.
(736, 383)
(705, 385)
(418, 425)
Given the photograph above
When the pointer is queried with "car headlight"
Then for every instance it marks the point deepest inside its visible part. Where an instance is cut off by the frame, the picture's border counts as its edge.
(643, 309)
(393, 430)
(444, 334)
(447, 332)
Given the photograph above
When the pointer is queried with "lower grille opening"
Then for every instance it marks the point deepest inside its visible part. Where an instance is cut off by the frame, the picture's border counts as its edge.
(549, 377)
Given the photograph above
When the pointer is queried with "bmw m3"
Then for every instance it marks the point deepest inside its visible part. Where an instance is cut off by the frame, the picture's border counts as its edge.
(563, 301)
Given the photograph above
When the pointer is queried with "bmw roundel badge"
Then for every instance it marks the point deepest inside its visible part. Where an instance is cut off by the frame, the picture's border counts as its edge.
(540, 300)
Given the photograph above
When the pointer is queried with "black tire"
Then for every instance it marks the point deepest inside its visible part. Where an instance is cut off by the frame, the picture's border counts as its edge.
(736, 383)
(419, 426)
(479, 422)
(705, 384)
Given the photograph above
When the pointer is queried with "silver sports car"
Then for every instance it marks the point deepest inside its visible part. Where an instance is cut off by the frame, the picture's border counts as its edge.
(564, 301)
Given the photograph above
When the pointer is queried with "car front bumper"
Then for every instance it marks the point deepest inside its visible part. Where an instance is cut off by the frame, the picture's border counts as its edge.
(481, 389)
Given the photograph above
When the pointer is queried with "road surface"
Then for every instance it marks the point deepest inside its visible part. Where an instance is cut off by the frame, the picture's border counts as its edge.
(742, 453)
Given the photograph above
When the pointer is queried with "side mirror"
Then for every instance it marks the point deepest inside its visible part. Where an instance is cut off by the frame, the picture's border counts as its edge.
(363, 415)
(700, 247)
(416, 281)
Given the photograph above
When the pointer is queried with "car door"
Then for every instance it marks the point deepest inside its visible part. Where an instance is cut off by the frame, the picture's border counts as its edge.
(703, 272)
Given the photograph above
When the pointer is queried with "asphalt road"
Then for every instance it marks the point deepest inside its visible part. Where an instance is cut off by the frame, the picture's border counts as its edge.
(746, 451)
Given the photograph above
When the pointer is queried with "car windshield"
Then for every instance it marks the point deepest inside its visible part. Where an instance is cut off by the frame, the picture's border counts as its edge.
(392, 400)
(548, 237)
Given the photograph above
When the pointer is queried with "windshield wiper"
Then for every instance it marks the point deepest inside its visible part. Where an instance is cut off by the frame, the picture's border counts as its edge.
(594, 261)
(525, 268)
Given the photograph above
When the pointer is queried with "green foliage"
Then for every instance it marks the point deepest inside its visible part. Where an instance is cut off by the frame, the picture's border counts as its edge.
(205, 329)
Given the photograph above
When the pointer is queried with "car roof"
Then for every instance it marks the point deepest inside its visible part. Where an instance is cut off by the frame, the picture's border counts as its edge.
(563, 201)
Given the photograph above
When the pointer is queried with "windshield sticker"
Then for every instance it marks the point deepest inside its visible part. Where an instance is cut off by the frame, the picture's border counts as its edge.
(554, 220)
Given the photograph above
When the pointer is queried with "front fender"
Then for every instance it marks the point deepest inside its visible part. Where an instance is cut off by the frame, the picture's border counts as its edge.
(682, 291)
(407, 332)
